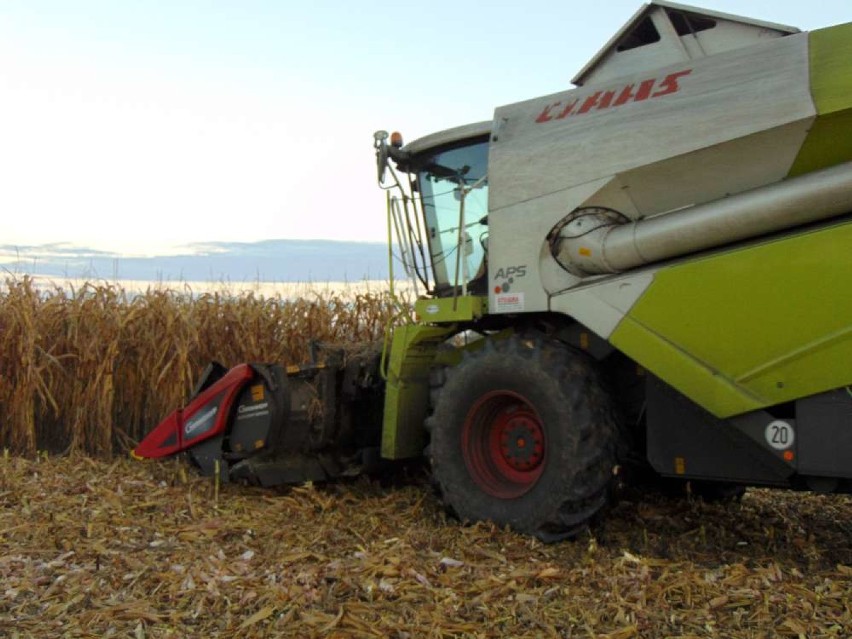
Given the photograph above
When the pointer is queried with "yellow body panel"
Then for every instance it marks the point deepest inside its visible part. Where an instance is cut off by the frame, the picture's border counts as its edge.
(750, 327)
(830, 139)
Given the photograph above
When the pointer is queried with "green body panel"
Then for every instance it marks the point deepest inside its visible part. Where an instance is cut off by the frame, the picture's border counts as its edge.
(751, 327)
(829, 141)
(448, 309)
(413, 351)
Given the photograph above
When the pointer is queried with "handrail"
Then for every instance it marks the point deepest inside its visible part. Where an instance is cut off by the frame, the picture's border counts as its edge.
(462, 241)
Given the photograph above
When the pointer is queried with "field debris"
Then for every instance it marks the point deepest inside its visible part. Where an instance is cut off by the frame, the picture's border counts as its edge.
(118, 549)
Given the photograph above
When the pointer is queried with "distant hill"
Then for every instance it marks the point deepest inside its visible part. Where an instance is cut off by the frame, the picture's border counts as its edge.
(265, 261)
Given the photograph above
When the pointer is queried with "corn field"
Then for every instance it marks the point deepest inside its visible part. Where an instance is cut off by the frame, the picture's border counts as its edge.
(91, 369)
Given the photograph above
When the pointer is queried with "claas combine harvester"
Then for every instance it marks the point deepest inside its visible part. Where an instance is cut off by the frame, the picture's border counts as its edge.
(651, 270)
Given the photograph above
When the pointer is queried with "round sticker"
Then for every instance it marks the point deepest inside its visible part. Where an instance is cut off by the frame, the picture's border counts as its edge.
(780, 435)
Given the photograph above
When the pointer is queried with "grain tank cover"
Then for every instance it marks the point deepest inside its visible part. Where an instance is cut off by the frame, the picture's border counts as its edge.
(664, 33)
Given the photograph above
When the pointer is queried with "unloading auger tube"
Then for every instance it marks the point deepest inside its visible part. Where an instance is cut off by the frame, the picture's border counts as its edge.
(591, 241)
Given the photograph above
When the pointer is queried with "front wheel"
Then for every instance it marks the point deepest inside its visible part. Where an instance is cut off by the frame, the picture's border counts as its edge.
(523, 434)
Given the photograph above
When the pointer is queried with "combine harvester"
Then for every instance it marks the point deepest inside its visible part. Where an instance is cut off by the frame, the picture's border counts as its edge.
(651, 270)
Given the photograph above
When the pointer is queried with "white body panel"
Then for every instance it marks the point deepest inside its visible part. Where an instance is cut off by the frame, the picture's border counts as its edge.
(698, 132)
(712, 101)
(729, 32)
(603, 305)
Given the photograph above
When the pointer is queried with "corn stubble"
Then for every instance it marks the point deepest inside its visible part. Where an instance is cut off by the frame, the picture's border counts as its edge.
(96, 548)
(91, 369)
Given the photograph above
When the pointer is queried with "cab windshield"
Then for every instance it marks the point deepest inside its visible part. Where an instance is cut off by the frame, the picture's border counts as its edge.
(453, 188)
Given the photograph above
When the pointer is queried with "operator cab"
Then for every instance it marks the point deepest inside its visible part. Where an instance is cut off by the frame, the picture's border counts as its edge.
(441, 214)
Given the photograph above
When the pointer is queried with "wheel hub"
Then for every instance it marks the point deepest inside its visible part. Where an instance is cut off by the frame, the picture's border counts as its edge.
(522, 443)
(503, 444)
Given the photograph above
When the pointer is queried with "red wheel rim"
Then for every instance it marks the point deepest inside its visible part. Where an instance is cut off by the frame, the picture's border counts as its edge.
(503, 444)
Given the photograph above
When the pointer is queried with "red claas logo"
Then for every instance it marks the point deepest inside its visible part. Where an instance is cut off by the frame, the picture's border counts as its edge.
(600, 100)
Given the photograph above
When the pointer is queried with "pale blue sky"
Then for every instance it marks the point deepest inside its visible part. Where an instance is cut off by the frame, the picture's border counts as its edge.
(137, 126)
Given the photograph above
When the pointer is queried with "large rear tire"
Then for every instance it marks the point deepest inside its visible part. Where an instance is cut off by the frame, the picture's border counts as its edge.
(523, 434)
